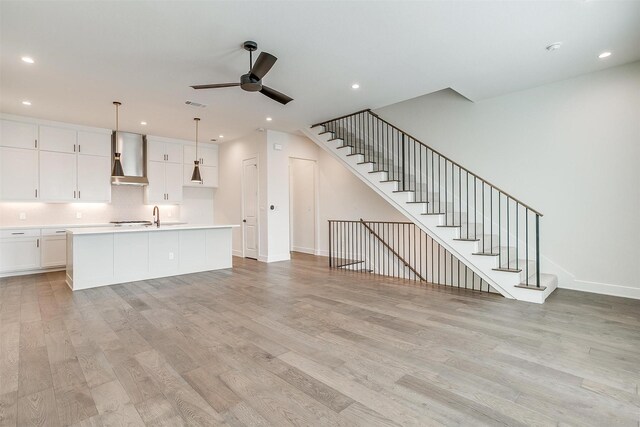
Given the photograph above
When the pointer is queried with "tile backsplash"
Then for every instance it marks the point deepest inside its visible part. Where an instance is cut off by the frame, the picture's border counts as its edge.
(127, 203)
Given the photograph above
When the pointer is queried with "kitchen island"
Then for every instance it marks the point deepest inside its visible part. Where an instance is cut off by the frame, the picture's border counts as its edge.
(100, 256)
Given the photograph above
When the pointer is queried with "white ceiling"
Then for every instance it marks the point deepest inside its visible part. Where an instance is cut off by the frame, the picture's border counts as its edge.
(146, 54)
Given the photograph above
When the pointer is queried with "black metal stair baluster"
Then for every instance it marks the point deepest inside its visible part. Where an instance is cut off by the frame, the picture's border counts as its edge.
(499, 230)
(517, 241)
(537, 250)
(526, 245)
(508, 233)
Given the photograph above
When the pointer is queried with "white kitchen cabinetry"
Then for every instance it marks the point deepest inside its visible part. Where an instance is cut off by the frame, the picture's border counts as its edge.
(208, 157)
(58, 177)
(62, 140)
(53, 248)
(18, 134)
(94, 144)
(19, 250)
(94, 178)
(165, 183)
(18, 174)
(159, 151)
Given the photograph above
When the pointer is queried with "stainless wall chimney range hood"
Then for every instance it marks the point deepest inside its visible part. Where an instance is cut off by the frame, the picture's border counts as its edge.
(133, 155)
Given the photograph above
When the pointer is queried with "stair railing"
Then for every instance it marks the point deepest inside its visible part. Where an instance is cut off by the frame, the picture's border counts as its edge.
(505, 226)
(397, 249)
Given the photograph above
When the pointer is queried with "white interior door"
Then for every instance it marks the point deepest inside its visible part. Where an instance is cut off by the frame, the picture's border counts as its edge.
(250, 207)
(302, 195)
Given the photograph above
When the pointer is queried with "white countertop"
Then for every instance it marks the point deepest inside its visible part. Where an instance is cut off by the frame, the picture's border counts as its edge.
(65, 226)
(167, 227)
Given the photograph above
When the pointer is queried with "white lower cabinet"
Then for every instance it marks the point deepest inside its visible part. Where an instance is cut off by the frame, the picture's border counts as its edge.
(53, 246)
(18, 174)
(19, 250)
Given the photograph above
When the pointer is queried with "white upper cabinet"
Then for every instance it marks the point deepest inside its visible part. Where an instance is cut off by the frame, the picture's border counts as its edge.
(173, 182)
(159, 151)
(18, 134)
(209, 175)
(208, 155)
(58, 177)
(165, 183)
(94, 144)
(62, 140)
(18, 174)
(155, 191)
(94, 178)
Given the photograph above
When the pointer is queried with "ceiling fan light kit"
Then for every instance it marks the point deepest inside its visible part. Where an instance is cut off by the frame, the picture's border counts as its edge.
(252, 81)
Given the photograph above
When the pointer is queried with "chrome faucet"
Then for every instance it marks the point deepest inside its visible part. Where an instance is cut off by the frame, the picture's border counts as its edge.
(156, 220)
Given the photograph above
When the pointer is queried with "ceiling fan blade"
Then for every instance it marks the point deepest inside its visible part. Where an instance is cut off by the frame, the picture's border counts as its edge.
(275, 95)
(262, 65)
(214, 86)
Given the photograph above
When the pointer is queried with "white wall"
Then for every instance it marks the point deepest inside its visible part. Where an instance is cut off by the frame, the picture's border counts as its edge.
(228, 197)
(302, 198)
(569, 149)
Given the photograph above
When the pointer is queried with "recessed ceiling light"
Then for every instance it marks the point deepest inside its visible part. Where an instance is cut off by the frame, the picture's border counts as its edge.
(143, 123)
(269, 119)
(26, 102)
(220, 136)
(355, 86)
(27, 59)
(554, 46)
(604, 55)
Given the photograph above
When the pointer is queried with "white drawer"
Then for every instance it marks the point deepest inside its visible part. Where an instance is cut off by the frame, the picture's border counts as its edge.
(19, 232)
(54, 232)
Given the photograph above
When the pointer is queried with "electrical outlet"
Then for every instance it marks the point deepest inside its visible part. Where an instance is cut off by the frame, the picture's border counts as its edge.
(170, 255)
(78, 215)
(23, 216)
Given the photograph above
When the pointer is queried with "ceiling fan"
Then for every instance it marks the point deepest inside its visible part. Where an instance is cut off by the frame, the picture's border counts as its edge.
(252, 81)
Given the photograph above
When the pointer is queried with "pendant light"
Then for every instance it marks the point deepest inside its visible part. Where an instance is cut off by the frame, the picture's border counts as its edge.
(195, 176)
(117, 164)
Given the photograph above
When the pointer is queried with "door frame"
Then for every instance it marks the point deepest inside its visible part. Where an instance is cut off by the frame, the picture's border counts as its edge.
(255, 157)
(316, 204)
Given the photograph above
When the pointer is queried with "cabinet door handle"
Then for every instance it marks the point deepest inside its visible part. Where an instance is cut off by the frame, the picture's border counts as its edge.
(74, 194)
(60, 231)
(36, 193)
(37, 243)
(74, 148)
(16, 233)
(78, 194)
(79, 146)
(35, 143)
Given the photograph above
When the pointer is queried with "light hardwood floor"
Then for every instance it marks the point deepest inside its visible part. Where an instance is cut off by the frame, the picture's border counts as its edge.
(295, 343)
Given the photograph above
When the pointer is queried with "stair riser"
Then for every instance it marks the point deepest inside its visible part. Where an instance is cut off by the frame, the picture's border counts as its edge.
(483, 265)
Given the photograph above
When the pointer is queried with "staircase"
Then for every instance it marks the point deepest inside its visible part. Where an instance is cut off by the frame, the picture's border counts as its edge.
(494, 234)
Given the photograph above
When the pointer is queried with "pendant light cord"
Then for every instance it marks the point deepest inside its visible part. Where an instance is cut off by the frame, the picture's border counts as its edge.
(197, 121)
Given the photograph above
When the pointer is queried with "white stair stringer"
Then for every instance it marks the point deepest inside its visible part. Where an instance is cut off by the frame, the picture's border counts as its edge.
(504, 282)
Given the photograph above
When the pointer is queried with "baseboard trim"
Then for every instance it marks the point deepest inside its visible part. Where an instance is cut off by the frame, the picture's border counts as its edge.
(29, 272)
(309, 251)
(602, 288)
(278, 258)
(237, 252)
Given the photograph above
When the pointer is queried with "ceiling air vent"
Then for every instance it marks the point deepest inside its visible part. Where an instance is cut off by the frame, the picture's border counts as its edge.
(195, 104)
